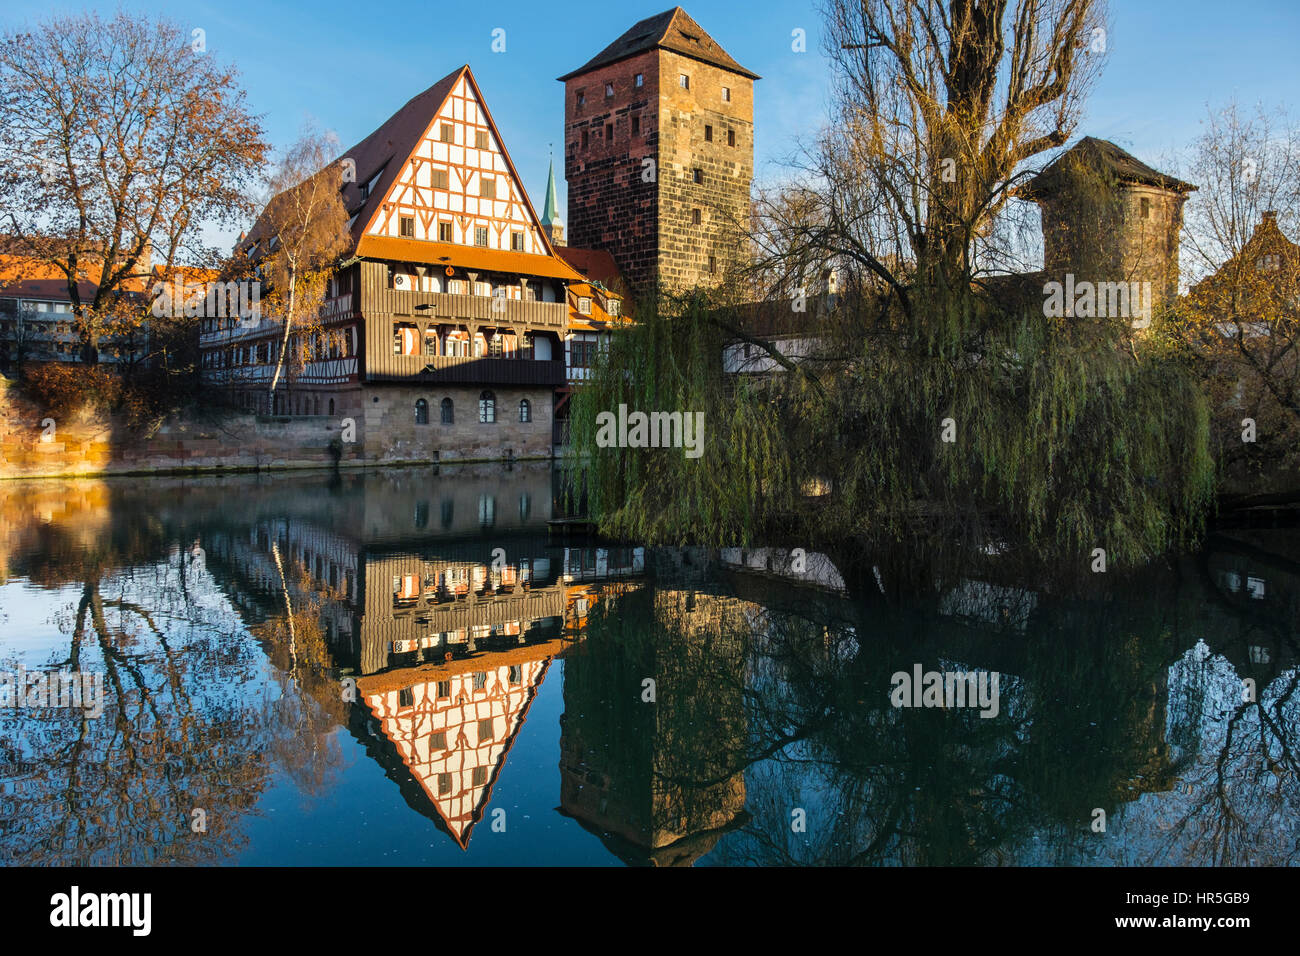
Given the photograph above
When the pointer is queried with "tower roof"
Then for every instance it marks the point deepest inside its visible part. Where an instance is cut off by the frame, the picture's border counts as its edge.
(1102, 156)
(551, 210)
(673, 30)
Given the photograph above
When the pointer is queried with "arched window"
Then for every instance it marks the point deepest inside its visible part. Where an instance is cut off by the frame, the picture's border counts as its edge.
(331, 406)
(525, 410)
(487, 408)
(421, 412)
(448, 412)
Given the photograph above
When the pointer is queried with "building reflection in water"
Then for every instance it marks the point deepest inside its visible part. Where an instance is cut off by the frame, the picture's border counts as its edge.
(247, 620)
(448, 634)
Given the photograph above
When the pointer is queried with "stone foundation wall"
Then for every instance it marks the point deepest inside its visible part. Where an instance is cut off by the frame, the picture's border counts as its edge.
(35, 443)
(393, 434)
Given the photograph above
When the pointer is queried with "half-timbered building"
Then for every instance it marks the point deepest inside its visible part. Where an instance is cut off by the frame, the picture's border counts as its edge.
(442, 332)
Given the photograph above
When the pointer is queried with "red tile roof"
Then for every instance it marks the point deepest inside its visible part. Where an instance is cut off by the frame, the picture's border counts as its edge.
(387, 149)
(595, 264)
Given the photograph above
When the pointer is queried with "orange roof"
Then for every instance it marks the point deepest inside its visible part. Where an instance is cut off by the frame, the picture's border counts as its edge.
(32, 278)
(465, 257)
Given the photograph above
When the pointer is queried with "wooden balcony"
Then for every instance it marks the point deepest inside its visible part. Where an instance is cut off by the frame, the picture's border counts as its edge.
(444, 307)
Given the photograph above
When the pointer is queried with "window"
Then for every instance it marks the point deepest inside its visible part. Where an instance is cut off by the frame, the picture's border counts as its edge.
(613, 306)
(713, 263)
(479, 777)
(609, 132)
(695, 217)
(584, 139)
(407, 227)
(444, 784)
(447, 134)
(640, 80)
(438, 741)
(698, 175)
(581, 97)
(406, 697)
(609, 90)
(430, 341)
(525, 410)
(517, 241)
(440, 180)
(581, 353)
(487, 510)
(444, 232)
(331, 406)
(480, 235)
(731, 137)
(584, 304)
(421, 412)
(487, 408)
(708, 133)
(485, 729)
(480, 139)
(726, 94)
(487, 187)
(1144, 208)
(684, 81)
(448, 412)
(405, 339)
(636, 124)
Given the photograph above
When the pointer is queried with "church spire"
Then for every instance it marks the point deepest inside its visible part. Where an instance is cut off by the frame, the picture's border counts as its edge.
(551, 211)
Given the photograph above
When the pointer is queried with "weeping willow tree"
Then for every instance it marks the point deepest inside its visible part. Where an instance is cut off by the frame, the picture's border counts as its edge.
(931, 393)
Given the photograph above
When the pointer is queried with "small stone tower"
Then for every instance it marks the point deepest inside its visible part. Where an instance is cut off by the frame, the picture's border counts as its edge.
(659, 153)
(1109, 218)
(551, 212)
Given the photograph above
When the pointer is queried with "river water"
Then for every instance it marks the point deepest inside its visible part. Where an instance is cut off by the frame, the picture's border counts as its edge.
(405, 668)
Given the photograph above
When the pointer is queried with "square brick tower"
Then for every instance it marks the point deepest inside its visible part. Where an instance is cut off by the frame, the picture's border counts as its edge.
(659, 154)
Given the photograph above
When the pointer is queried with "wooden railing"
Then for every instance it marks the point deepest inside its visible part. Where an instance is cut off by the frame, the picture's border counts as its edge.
(445, 307)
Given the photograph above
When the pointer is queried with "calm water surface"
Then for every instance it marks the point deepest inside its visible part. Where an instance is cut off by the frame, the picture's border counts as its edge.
(403, 668)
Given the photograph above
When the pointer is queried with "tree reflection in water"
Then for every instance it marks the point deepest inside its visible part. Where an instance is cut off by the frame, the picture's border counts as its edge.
(222, 653)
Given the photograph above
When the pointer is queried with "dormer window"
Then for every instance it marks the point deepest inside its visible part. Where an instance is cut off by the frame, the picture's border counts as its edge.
(584, 305)
(373, 184)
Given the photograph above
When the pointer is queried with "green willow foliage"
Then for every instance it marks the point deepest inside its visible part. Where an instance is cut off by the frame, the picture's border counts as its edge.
(1070, 435)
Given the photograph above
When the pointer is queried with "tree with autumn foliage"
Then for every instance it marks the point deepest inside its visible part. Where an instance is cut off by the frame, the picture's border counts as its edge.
(1241, 318)
(297, 242)
(120, 140)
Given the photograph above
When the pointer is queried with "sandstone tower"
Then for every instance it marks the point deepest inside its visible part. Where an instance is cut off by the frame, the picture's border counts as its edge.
(1110, 218)
(659, 153)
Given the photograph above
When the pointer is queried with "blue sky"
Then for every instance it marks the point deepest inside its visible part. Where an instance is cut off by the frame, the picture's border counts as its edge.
(347, 66)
